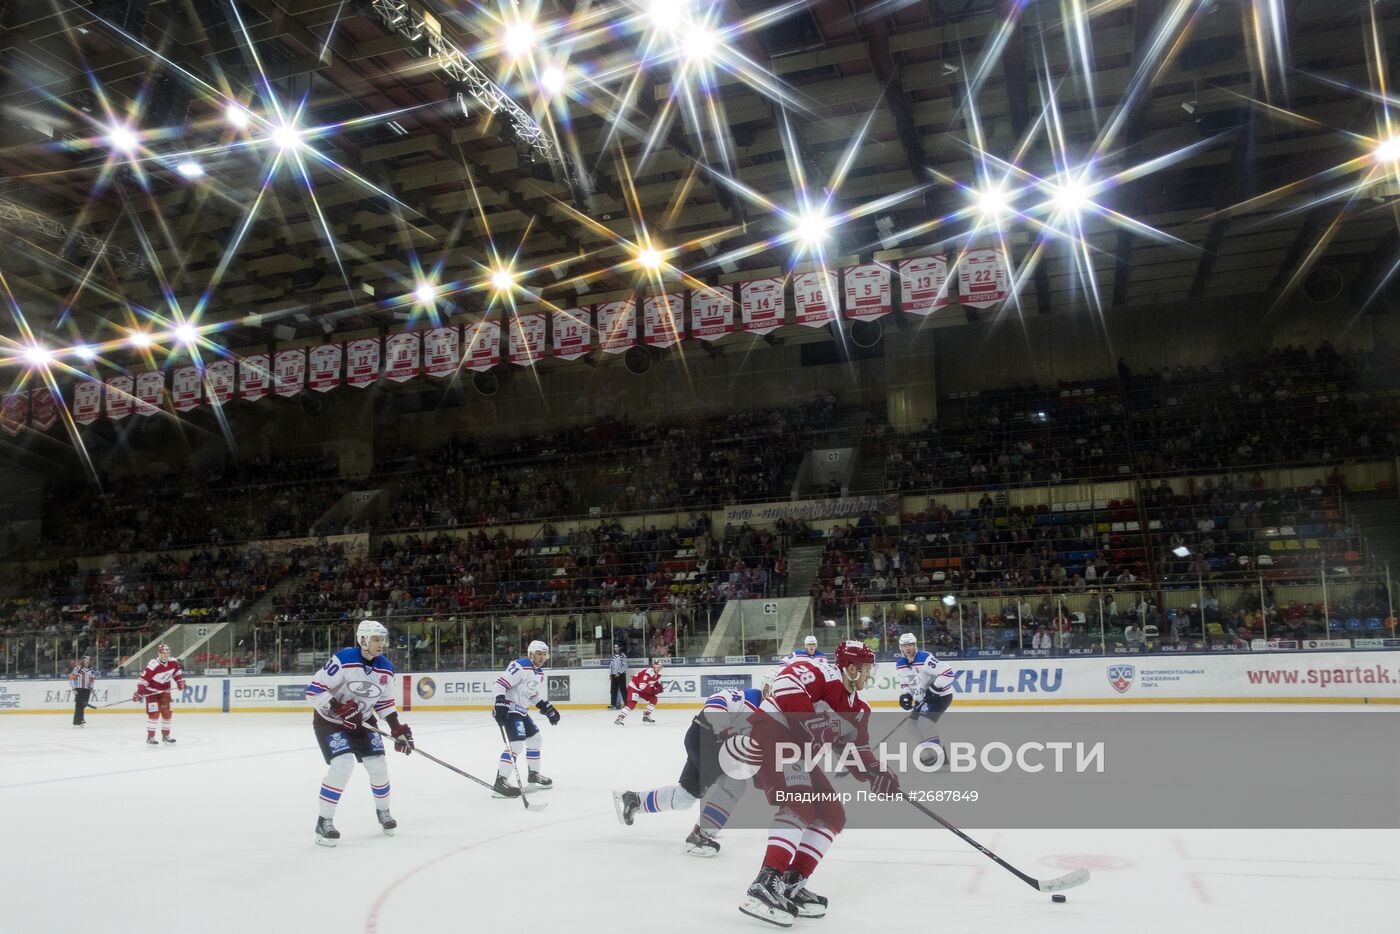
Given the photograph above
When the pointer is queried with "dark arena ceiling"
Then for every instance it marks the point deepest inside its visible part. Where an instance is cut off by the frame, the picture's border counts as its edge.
(297, 167)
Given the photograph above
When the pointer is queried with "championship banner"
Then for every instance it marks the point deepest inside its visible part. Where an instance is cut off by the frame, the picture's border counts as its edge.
(289, 372)
(150, 392)
(483, 345)
(573, 337)
(663, 317)
(323, 367)
(525, 343)
(218, 382)
(867, 292)
(119, 397)
(617, 326)
(761, 303)
(254, 376)
(401, 352)
(814, 293)
(185, 385)
(43, 409)
(923, 284)
(711, 314)
(441, 350)
(87, 402)
(982, 278)
(812, 509)
(362, 362)
(14, 412)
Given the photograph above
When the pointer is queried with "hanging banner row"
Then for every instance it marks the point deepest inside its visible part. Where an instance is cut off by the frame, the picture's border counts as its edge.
(611, 327)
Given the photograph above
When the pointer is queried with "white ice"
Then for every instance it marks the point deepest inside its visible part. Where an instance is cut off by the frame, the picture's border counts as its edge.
(214, 834)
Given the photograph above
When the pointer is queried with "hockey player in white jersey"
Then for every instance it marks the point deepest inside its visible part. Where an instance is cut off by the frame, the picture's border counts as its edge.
(809, 650)
(925, 689)
(722, 715)
(521, 686)
(350, 692)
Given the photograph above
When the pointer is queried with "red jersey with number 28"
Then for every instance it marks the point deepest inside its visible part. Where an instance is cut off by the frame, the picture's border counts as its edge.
(811, 686)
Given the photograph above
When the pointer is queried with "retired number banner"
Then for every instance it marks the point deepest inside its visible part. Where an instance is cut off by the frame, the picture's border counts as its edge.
(362, 362)
(982, 278)
(218, 380)
(526, 343)
(119, 397)
(617, 326)
(254, 377)
(815, 296)
(441, 349)
(923, 284)
(323, 367)
(867, 292)
(573, 336)
(762, 303)
(402, 356)
(185, 385)
(711, 313)
(150, 392)
(663, 318)
(483, 345)
(289, 370)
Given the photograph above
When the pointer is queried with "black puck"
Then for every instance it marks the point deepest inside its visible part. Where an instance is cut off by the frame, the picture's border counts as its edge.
(1057, 898)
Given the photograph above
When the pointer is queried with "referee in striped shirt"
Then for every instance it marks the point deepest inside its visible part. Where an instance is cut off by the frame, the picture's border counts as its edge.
(82, 677)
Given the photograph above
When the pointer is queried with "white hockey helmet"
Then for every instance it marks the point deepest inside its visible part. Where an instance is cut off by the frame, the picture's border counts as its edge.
(368, 629)
(810, 640)
(908, 639)
(537, 646)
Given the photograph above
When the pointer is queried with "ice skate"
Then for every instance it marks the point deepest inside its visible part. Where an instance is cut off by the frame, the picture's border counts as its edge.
(504, 789)
(700, 843)
(387, 823)
(167, 739)
(541, 782)
(767, 900)
(628, 803)
(808, 904)
(326, 834)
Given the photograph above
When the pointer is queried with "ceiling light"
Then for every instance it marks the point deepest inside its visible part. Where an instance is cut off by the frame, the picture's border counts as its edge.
(84, 352)
(666, 15)
(286, 136)
(190, 169)
(649, 258)
(139, 339)
(37, 356)
(186, 334)
(236, 116)
(425, 293)
(1388, 150)
(502, 280)
(699, 43)
(552, 80)
(519, 39)
(812, 228)
(1071, 196)
(122, 139)
(990, 202)
(1181, 551)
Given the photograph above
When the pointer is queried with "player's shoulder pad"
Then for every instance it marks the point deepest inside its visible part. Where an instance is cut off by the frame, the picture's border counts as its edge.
(524, 663)
(383, 664)
(901, 662)
(753, 696)
(925, 658)
(350, 655)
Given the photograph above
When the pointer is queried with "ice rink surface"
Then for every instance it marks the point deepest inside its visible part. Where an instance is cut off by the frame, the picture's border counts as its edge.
(215, 834)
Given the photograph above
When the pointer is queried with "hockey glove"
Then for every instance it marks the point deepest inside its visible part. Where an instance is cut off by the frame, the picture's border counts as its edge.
(501, 711)
(180, 683)
(906, 701)
(403, 737)
(348, 713)
(550, 713)
(934, 705)
(136, 697)
(882, 783)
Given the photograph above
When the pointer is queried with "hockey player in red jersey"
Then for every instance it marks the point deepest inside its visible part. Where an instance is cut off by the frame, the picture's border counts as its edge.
(646, 686)
(153, 686)
(812, 704)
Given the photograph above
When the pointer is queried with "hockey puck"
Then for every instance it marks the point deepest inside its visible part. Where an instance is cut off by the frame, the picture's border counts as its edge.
(1057, 898)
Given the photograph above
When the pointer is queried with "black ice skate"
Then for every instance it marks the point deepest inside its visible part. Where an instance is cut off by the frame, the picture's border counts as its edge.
(700, 843)
(386, 823)
(504, 789)
(628, 803)
(152, 741)
(646, 718)
(167, 739)
(808, 904)
(767, 900)
(326, 834)
(541, 782)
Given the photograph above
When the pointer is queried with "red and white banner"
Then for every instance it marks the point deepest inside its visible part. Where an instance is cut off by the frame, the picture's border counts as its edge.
(617, 326)
(362, 362)
(711, 313)
(150, 392)
(525, 343)
(401, 352)
(87, 402)
(119, 397)
(814, 293)
(43, 409)
(761, 301)
(573, 337)
(185, 386)
(219, 382)
(923, 284)
(14, 412)
(483, 345)
(982, 278)
(254, 376)
(323, 367)
(441, 351)
(289, 372)
(868, 292)
(663, 319)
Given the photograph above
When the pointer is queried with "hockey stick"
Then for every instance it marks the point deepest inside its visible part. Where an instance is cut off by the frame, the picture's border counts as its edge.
(92, 706)
(432, 758)
(515, 763)
(1058, 884)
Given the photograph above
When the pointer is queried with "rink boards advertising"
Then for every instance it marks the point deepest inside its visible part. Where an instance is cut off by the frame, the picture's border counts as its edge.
(1321, 677)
